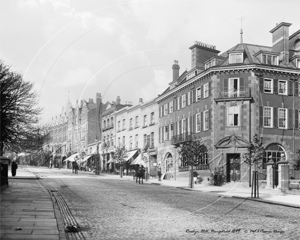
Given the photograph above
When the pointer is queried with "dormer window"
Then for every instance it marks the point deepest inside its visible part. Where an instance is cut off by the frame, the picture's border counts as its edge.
(236, 58)
(210, 63)
(269, 59)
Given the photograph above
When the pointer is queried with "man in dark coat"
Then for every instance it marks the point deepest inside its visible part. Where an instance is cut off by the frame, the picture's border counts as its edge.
(14, 167)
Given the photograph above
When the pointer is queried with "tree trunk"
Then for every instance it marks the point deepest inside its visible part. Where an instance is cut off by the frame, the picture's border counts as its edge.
(121, 170)
(191, 178)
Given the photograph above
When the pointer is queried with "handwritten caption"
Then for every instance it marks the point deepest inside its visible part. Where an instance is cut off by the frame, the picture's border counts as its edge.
(238, 230)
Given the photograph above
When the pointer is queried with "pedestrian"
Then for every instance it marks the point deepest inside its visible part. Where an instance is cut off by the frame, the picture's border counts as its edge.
(76, 167)
(73, 167)
(50, 164)
(159, 174)
(14, 167)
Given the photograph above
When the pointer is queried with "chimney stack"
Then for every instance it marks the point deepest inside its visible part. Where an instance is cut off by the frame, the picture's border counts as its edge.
(118, 100)
(201, 52)
(175, 68)
(140, 100)
(280, 41)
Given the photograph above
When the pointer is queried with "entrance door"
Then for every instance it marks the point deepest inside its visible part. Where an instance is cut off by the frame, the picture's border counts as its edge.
(233, 167)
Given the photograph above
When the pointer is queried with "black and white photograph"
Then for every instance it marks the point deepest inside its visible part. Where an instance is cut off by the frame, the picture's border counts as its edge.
(149, 119)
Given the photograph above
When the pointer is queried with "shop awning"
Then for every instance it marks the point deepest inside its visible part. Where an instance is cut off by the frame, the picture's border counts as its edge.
(72, 157)
(138, 161)
(85, 158)
(130, 155)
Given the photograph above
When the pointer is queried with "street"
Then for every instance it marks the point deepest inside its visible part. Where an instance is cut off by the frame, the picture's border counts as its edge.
(107, 207)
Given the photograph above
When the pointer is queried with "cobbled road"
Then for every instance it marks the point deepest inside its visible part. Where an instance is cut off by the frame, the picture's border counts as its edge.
(111, 208)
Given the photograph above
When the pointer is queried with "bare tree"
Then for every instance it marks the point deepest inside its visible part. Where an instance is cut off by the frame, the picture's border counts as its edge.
(120, 157)
(192, 153)
(254, 157)
(19, 113)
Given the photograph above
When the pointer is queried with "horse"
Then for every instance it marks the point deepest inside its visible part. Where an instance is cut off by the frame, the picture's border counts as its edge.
(140, 173)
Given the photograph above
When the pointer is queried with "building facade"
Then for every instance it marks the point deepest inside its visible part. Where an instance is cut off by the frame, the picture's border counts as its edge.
(75, 130)
(108, 132)
(226, 99)
(137, 130)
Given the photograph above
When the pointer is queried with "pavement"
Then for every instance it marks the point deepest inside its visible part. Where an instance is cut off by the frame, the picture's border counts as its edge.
(28, 211)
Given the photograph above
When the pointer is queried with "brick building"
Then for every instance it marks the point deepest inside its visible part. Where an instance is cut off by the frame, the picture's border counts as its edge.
(225, 99)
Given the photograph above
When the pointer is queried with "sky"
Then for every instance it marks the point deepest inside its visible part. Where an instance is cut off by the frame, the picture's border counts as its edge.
(76, 48)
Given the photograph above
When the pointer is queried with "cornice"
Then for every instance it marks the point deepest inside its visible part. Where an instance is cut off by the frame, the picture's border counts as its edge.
(227, 69)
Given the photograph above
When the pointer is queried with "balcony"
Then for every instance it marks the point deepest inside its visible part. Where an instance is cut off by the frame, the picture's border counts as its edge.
(180, 138)
(238, 95)
(108, 127)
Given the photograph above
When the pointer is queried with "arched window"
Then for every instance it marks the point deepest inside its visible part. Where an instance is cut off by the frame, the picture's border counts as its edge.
(272, 151)
(297, 44)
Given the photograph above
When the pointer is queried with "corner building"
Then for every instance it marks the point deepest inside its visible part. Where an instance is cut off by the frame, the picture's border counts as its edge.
(226, 99)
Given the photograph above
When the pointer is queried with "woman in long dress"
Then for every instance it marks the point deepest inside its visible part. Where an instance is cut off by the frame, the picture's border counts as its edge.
(14, 167)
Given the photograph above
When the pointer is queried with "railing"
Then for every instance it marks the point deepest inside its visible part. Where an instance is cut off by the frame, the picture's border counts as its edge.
(235, 94)
(108, 127)
(184, 137)
(199, 167)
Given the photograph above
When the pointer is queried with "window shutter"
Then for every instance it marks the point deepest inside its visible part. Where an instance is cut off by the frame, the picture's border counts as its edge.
(202, 122)
(162, 110)
(261, 84)
(194, 94)
(225, 89)
(290, 119)
(191, 124)
(297, 118)
(180, 103)
(275, 86)
(191, 96)
(209, 88)
(168, 108)
(186, 99)
(159, 137)
(202, 91)
(209, 119)
(261, 116)
(242, 84)
(194, 124)
(290, 88)
(175, 129)
(175, 104)
(296, 93)
(275, 117)
(180, 126)
(162, 134)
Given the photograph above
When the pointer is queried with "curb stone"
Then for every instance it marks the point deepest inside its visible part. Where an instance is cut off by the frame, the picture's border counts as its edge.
(264, 201)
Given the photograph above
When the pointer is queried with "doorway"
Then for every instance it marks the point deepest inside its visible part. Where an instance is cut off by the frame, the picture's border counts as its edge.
(233, 167)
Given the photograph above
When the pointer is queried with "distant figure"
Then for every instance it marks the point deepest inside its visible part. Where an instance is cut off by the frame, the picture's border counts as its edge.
(14, 167)
(73, 167)
(76, 167)
(159, 175)
(50, 164)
